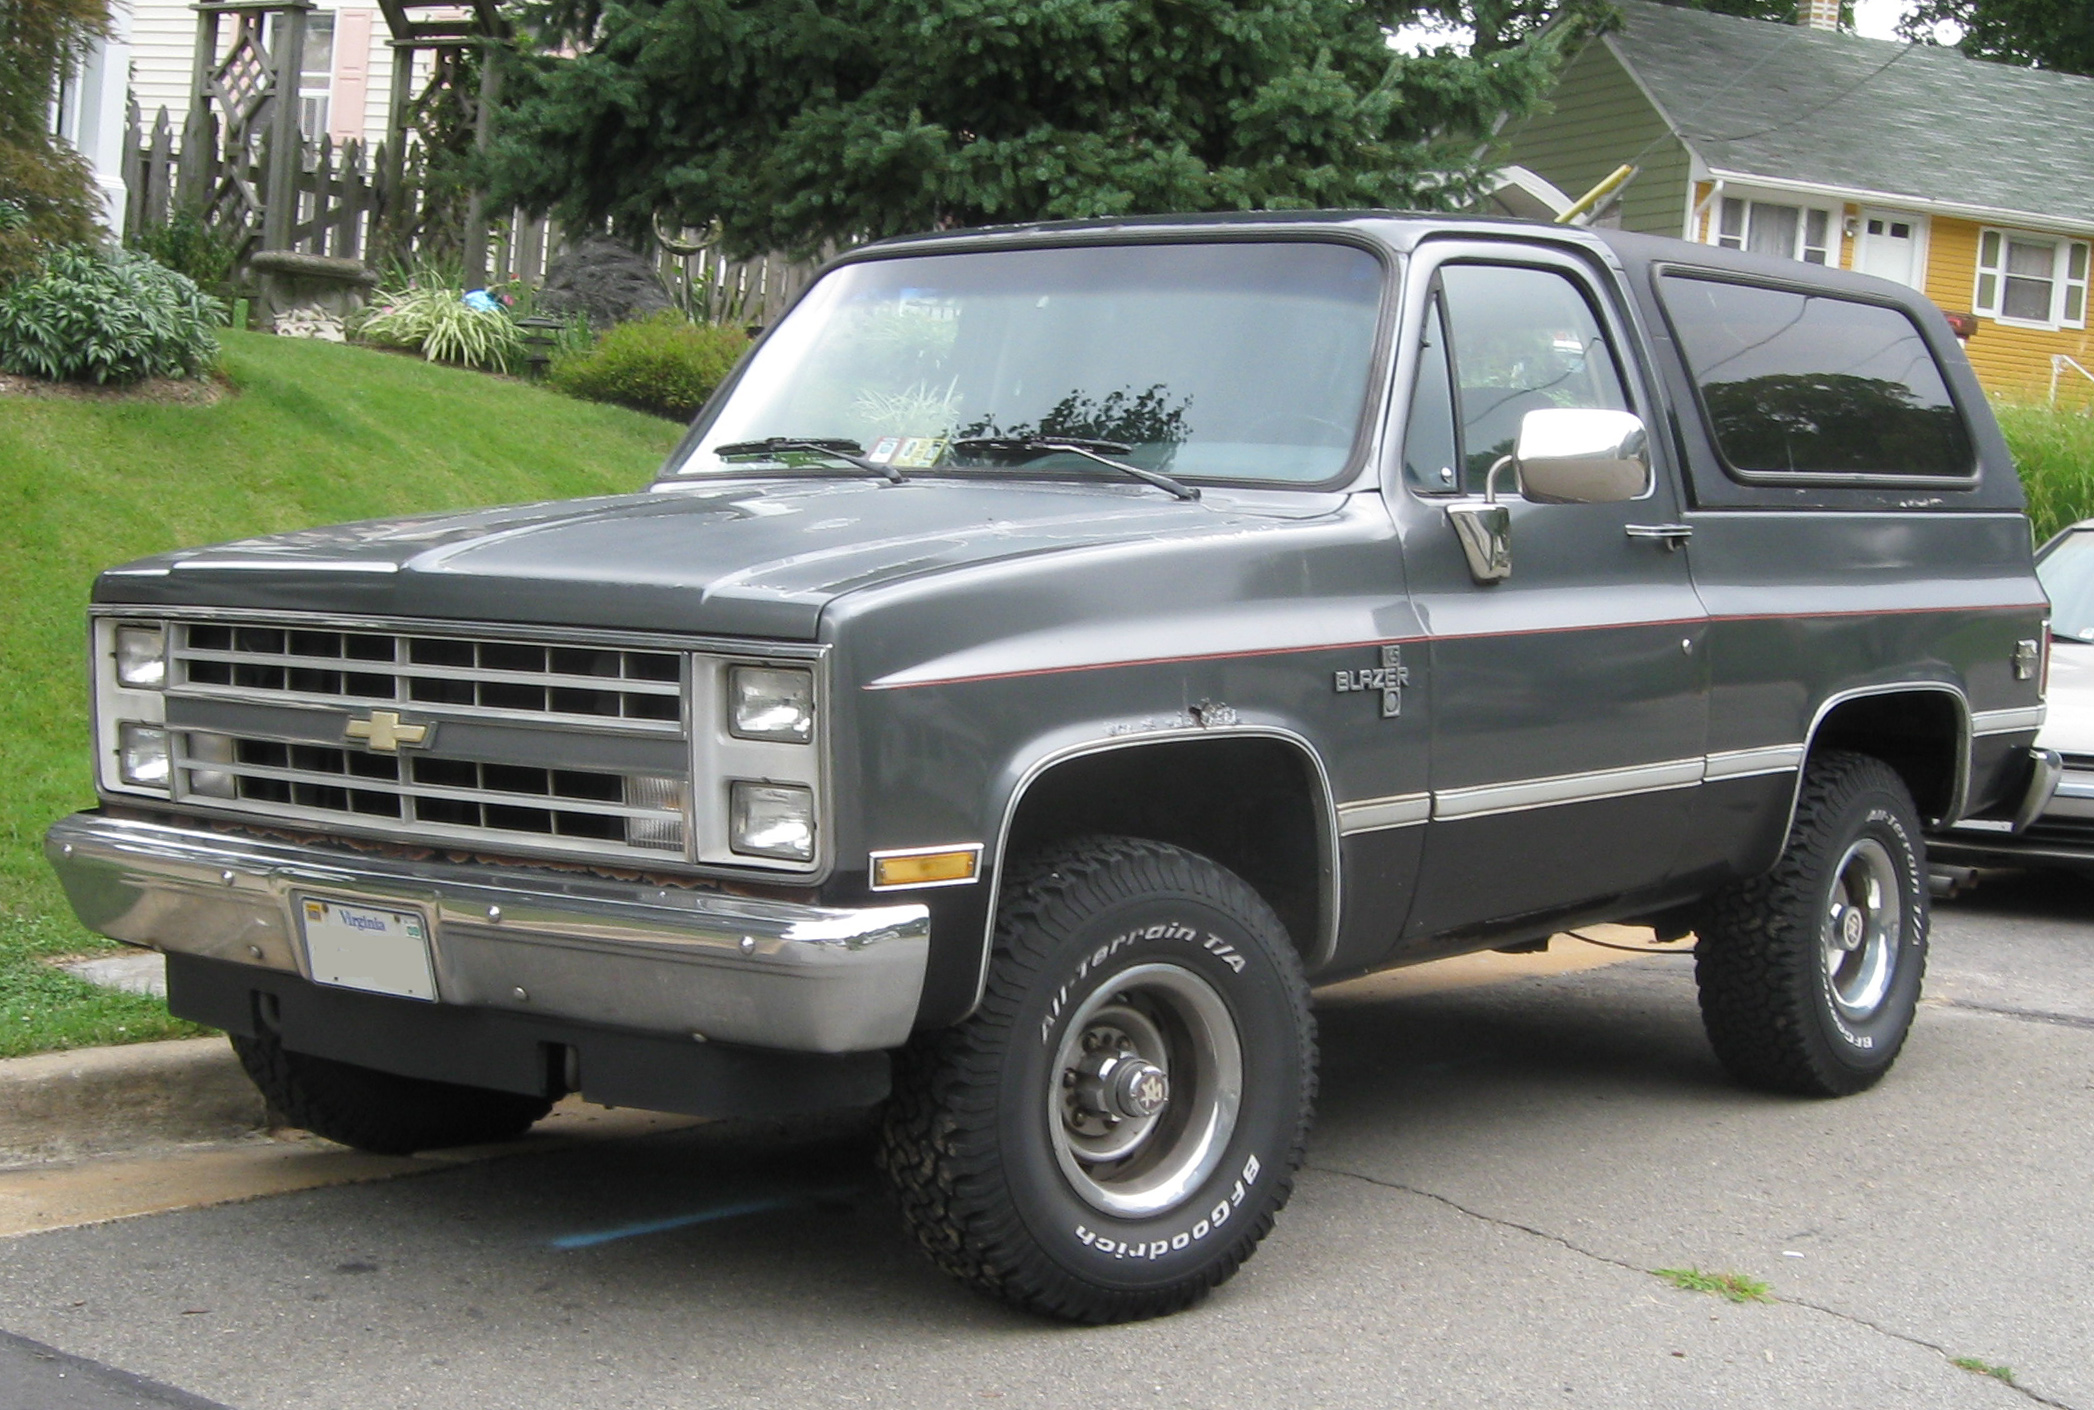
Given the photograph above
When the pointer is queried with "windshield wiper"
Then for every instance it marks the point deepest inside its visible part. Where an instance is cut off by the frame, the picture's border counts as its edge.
(849, 452)
(1032, 447)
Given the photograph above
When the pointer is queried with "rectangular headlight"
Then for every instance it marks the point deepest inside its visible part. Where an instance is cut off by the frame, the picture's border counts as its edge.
(141, 657)
(771, 820)
(141, 755)
(770, 702)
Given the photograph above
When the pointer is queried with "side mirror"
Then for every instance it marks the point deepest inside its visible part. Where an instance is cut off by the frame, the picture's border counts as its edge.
(1576, 456)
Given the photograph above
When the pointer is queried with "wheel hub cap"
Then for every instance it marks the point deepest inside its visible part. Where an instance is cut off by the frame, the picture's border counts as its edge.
(1139, 1089)
(1146, 1085)
(1864, 924)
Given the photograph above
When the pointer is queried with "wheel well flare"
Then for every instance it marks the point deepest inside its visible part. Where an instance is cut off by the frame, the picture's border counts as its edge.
(1919, 733)
(1255, 804)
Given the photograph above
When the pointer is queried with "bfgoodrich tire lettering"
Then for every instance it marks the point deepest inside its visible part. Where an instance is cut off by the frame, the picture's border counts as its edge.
(1016, 1141)
(1810, 975)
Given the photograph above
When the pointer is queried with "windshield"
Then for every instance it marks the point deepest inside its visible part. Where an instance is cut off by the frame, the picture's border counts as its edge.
(2067, 574)
(1240, 361)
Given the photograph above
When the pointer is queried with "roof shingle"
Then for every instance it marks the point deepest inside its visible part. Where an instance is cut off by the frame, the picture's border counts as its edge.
(1833, 109)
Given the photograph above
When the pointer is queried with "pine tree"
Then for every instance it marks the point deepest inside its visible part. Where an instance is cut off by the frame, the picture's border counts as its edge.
(794, 122)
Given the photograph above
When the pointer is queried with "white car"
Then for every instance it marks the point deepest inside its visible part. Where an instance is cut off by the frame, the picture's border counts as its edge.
(2061, 834)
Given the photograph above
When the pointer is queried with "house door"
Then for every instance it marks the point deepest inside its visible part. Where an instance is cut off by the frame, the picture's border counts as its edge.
(1892, 245)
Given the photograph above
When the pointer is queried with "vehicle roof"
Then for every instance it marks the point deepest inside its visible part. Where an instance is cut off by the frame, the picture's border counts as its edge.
(1397, 230)
(1400, 232)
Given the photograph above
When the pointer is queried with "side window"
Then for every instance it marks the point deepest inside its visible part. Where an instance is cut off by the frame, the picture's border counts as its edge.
(1807, 384)
(1522, 340)
(1431, 450)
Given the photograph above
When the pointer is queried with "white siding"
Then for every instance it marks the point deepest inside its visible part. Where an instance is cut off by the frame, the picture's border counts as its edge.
(163, 46)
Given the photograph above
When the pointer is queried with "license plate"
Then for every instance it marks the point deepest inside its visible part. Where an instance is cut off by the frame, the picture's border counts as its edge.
(354, 946)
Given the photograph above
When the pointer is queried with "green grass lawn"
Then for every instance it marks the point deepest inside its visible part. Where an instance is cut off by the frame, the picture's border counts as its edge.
(318, 434)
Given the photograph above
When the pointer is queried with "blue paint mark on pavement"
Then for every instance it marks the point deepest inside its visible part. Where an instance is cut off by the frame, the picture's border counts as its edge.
(685, 1221)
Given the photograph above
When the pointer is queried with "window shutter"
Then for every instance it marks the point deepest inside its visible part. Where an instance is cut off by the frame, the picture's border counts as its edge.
(1992, 260)
(352, 73)
(2074, 313)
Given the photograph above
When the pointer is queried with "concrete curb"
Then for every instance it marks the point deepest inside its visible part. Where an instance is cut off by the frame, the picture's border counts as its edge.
(96, 1101)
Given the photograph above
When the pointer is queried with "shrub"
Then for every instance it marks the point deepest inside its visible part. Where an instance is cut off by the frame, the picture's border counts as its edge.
(430, 317)
(665, 364)
(188, 246)
(88, 314)
(2054, 451)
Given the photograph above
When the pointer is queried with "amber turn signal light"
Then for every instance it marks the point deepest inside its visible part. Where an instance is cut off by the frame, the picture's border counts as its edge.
(926, 868)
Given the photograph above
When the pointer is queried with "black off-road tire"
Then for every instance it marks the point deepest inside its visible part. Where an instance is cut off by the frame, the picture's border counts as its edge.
(1769, 981)
(379, 1111)
(970, 1140)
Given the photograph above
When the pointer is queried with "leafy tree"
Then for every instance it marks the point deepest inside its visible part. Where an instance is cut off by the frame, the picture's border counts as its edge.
(2044, 34)
(46, 191)
(792, 122)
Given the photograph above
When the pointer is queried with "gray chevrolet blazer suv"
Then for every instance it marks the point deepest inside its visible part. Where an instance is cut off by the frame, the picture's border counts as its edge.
(1054, 650)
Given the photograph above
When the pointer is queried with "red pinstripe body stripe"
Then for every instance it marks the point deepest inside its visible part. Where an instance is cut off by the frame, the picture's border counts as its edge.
(1448, 636)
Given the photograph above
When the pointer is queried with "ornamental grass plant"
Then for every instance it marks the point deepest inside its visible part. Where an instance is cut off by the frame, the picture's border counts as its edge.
(429, 315)
(87, 314)
(2054, 451)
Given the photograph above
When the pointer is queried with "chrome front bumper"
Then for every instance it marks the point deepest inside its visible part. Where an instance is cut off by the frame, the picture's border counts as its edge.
(692, 963)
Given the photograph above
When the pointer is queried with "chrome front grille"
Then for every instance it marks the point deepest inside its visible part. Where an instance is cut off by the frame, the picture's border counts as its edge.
(430, 797)
(478, 740)
(596, 687)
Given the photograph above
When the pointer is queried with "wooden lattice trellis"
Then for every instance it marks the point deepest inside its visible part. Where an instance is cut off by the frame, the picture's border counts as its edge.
(240, 146)
(450, 114)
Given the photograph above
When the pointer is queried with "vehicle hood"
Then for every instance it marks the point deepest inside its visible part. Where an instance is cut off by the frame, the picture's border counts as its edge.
(2068, 726)
(748, 558)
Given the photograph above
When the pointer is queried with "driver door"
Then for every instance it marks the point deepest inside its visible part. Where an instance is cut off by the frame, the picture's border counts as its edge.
(1570, 697)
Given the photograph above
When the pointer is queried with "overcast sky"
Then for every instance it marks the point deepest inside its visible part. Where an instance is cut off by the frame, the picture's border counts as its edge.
(1877, 19)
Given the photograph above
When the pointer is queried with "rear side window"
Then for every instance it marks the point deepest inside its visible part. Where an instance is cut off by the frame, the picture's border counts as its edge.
(1811, 385)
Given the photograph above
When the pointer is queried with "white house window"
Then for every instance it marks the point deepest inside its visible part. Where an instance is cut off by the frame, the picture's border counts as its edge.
(316, 82)
(2036, 280)
(1768, 228)
(316, 75)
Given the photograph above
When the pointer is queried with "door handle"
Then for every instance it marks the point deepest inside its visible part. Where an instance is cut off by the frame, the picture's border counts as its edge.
(1673, 536)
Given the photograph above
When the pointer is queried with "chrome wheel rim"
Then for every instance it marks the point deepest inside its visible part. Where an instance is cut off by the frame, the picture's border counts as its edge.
(1864, 917)
(1144, 1091)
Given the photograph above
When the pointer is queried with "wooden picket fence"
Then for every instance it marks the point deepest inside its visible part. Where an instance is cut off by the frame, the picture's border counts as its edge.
(343, 195)
(337, 192)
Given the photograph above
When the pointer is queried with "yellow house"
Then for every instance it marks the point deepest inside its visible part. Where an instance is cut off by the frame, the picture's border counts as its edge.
(1971, 181)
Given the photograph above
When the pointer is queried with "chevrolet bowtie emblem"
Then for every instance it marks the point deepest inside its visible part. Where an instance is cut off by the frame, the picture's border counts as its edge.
(384, 732)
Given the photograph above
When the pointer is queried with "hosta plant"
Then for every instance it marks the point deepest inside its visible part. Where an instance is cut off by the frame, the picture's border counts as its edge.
(93, 315)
